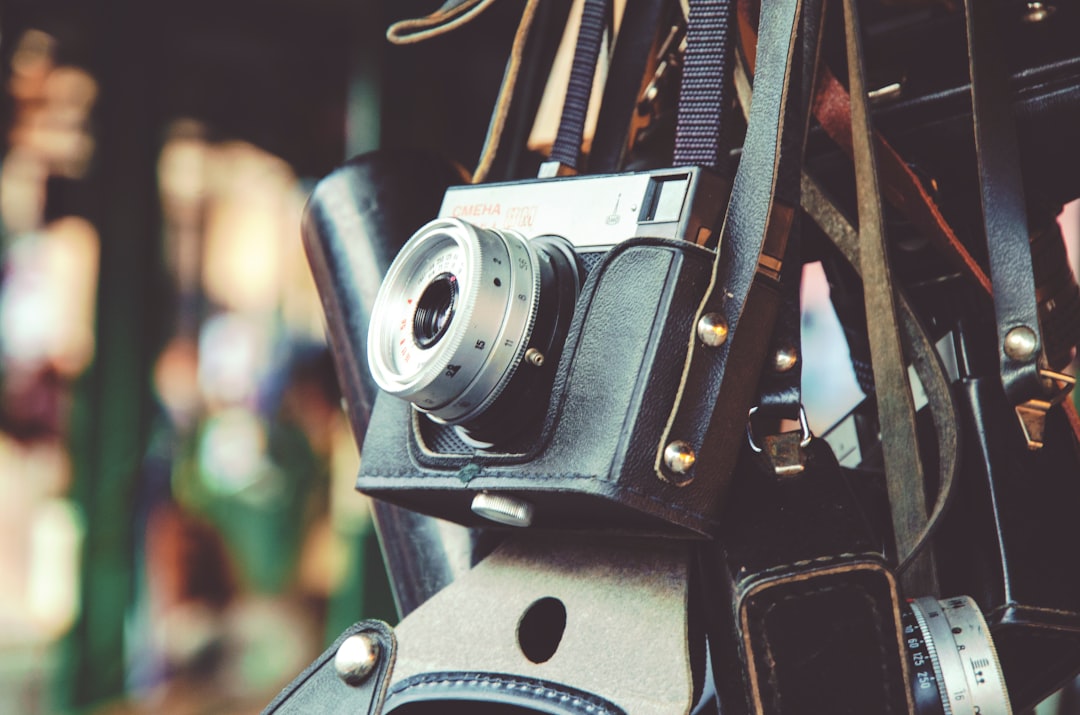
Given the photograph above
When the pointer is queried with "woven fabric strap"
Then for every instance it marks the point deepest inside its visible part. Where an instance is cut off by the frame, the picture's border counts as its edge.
(567, 147)
(705, 91)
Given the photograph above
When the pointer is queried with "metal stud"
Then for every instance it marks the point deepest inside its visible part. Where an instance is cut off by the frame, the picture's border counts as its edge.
(534, 357)
(1021, 343)
(1038, 11)
(679, 457)
(356, 659)
(785, 359)
(503, 509)
(712, 329)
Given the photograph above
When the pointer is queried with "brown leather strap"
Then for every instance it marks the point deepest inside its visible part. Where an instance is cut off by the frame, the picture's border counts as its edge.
(902, 188)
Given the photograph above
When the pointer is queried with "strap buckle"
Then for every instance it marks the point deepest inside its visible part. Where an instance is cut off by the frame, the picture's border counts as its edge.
(1032, 414)
(784, 450)
(668, 57)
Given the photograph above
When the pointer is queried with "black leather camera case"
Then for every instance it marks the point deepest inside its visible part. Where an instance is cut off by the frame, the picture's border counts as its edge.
(592, 463)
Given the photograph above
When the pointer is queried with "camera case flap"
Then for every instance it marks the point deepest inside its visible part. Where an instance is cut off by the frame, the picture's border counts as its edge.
(591, 461)
(801, 596)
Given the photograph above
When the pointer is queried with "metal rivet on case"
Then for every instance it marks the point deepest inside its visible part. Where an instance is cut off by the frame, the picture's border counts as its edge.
(534, 357)
(356, 658)
(1038, 11)
(679, 457)
(785, 359)
(503, 509)
(1021, 343)
(712, 329)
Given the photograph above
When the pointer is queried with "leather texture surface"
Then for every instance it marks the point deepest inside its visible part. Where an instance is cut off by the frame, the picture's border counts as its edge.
(319, 689)
(745, 288)
(1004, 207)
(620, 596)
(591, 465)
(355, 221)
(796, 594)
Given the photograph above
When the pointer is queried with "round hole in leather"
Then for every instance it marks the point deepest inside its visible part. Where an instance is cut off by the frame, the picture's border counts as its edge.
(540, 629)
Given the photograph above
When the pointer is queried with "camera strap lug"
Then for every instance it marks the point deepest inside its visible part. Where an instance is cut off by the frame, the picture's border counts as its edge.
(784, 450)
(1032, 413)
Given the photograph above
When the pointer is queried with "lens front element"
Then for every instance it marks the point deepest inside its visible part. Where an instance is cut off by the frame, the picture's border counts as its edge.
(434, 310)
(453, 316)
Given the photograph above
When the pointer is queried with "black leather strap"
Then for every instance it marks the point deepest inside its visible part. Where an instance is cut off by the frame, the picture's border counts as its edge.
(746, 279)
(1003, 205)
(780, 387)
(320, 689)
(594, 19)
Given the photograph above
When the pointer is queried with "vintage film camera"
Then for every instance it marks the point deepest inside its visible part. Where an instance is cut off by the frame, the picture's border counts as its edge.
(523, 333)
(527, 347)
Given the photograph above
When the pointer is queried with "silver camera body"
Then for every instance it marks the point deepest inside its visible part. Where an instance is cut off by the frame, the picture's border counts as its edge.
(595, 212)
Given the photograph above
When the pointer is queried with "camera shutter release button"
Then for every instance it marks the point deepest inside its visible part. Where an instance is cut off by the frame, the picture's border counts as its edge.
(503, 509)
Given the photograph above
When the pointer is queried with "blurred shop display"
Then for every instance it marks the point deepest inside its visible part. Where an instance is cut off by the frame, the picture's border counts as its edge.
(175, 468)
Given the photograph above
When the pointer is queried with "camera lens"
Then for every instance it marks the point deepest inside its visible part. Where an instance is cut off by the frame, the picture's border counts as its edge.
(434, 310)
(954, 667)
(460, 310)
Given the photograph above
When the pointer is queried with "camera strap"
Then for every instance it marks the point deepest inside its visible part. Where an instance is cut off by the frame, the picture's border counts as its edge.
(780, 385)
(1020, 344)
(630, 59)
(566, 151)
(705, 94)
(726, 353)
(865, 249)
(896, 410)
(451, 15)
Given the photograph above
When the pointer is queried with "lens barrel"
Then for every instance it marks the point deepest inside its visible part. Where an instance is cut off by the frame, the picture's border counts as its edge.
(462, 312)
(954, 667)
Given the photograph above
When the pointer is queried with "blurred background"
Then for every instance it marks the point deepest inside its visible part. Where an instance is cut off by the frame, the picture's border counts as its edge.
(178, 527)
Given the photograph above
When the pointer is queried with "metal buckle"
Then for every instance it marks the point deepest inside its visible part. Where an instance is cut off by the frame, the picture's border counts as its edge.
(1032, 414)
(785, 450)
